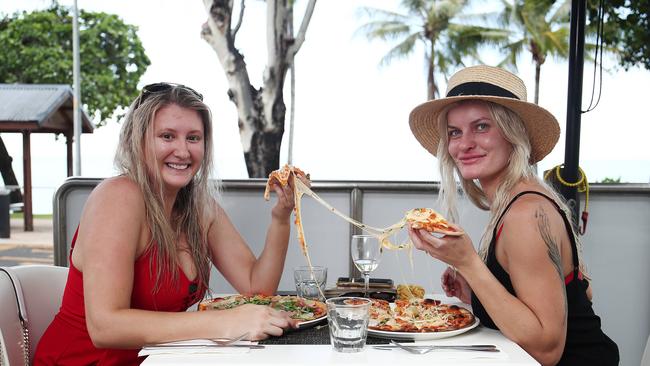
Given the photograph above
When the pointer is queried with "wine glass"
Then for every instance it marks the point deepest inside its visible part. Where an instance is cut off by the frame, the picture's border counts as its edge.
(366, 253)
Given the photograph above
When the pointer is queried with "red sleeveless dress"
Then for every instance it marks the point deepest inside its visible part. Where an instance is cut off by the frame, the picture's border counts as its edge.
(66, 340)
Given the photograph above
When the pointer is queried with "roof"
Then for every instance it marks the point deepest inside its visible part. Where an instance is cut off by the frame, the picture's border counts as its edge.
(39, 108)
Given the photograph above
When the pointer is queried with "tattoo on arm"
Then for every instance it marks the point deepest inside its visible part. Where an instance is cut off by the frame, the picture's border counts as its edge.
(553, 250)
(545, 231)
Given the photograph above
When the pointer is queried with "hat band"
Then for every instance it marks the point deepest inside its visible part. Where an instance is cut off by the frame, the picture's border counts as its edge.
(480, 88)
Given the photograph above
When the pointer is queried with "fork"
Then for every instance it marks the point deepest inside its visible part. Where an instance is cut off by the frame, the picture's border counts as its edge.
(228, 341)
(420, 350)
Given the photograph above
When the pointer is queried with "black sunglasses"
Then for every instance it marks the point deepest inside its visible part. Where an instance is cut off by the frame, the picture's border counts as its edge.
(379, 295)
(156, 88)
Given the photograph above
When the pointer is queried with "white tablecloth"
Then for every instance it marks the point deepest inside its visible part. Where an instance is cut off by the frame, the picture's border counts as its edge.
(310, 355)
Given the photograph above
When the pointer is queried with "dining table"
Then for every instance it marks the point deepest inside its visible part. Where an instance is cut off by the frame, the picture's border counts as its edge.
(311, 346)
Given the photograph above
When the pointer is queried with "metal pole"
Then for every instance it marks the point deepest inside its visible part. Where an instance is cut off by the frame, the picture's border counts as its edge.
(76, 105)
(574, 105)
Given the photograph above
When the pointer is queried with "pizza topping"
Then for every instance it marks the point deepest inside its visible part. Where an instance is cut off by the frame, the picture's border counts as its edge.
(419, 315)
(298, 308)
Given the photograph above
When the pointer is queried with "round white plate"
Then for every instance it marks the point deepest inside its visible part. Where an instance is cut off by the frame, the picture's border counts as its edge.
(422, 336)
(311, 323)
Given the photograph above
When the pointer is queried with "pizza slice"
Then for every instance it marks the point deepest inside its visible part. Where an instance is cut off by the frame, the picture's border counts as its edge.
(298, 308)
(431, 221)
(281, 176)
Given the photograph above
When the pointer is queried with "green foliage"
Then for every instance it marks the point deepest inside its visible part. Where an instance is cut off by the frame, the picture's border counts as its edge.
(611, 180)
(625, 28)
(37, 49)
(539, 27)
(446, 34)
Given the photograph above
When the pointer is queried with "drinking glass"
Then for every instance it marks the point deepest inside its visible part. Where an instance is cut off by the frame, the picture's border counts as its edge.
(310, 282)
(348, 322)
(366, 253)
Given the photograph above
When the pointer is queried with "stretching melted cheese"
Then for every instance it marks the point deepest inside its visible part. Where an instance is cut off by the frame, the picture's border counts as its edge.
(383, 235)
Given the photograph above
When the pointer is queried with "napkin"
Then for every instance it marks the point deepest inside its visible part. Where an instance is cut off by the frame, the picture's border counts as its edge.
(193, 346)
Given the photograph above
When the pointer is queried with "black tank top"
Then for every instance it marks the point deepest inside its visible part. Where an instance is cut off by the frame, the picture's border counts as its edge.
(586, 344)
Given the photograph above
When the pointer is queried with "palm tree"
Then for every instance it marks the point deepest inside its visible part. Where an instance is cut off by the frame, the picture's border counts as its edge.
(540, 27)
(439, 26)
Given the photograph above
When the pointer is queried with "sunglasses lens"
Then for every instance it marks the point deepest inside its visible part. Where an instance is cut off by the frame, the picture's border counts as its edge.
(161, 88)
(156, 88)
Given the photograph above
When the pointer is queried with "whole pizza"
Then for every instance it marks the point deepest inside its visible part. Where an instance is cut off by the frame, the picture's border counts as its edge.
(418, 315)
(297, 307)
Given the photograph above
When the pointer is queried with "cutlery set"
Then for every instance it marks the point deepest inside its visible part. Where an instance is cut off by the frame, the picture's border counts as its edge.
(422, 349)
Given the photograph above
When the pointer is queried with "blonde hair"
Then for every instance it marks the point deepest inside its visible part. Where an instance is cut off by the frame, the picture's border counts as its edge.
(193, 209)
(517, 170)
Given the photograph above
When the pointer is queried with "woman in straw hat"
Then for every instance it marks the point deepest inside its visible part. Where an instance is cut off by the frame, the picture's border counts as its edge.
(527, 279)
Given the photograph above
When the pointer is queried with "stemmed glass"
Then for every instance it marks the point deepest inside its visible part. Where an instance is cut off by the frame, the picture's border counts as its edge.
(366, 253)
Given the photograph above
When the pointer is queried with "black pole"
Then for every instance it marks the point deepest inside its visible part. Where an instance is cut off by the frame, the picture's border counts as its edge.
(570, 172)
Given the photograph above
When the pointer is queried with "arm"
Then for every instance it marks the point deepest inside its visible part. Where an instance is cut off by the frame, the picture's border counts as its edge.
(234, 259)
(528, 250)
(112, 234)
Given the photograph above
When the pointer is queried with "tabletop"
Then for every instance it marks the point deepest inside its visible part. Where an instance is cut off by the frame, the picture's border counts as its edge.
(324, 354)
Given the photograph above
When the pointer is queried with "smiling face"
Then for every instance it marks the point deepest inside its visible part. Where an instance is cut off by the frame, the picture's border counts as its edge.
(175, 147)
(476, 143)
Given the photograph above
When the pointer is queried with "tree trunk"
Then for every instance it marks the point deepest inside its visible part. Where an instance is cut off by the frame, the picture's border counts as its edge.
(8, 175)
(432, 88)
(538, 70)
(261, 111)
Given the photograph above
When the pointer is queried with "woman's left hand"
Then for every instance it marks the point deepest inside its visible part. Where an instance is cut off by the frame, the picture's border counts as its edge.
(453, 250)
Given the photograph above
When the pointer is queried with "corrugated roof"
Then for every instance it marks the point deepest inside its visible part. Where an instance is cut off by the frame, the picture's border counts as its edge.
(49, 105)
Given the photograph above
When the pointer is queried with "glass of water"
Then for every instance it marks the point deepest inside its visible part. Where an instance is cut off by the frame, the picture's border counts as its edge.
(348, 322)
(310, 282)
(366, 253)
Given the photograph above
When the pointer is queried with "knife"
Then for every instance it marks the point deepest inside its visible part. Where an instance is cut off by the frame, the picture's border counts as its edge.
(469, 347)
(190, 346)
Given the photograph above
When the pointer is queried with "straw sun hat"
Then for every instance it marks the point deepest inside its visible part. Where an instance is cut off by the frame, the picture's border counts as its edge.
(495, 85)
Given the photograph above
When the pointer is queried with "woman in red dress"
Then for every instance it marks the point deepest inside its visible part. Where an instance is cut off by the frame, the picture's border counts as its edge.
(142, 252)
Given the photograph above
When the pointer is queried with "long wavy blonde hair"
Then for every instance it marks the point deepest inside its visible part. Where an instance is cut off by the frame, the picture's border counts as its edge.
(518, 169)
(193, 209)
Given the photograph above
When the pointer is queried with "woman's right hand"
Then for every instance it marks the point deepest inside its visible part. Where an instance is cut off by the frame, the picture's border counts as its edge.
(454, 284)
(259, 321)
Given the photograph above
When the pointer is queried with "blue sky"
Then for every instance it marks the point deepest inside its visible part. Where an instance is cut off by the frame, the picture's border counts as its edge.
(351, 114)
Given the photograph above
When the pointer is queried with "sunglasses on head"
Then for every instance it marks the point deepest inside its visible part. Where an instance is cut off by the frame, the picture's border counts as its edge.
(379, 295)
(157, 88)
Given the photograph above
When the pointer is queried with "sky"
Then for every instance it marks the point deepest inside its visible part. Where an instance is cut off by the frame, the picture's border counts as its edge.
(351, 118)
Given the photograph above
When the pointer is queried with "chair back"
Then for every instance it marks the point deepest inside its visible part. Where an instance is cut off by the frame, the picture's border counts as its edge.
(3, 351)
(42, 287)
(30, 297)
(11, 328)
(645, 360)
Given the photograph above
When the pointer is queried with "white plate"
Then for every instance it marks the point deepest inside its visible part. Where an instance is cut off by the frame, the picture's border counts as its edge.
(422, 336)
(311, 323)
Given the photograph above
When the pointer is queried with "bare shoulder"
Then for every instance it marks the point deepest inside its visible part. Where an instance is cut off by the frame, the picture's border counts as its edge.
(117, 194)
(529, 209)
(532, 222)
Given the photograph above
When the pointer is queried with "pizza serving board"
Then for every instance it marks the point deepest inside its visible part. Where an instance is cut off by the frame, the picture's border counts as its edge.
(416, 336)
